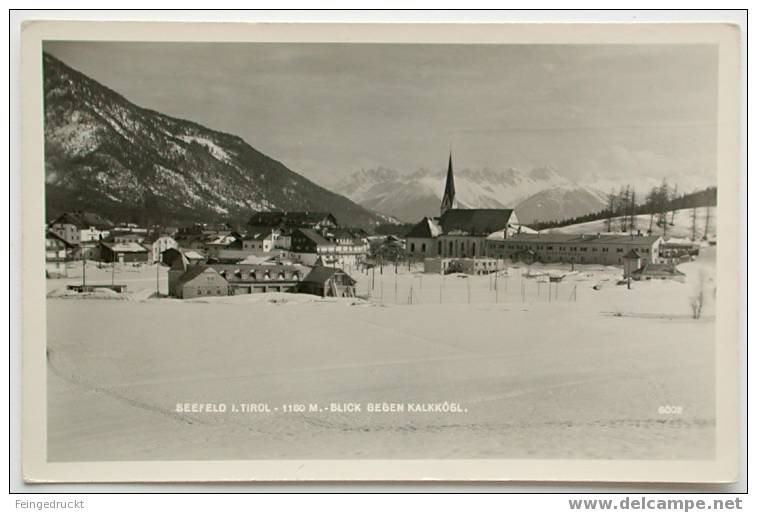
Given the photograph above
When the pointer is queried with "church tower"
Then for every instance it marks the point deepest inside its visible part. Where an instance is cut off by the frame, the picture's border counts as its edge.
(448, 200)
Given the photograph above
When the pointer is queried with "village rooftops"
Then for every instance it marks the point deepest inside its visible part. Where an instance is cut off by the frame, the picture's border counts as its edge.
(258, 234)
(322, 274)
(475, 221)
(572, 238)
(316, 237)
(83, 220)
(241, 273)
(125, 247)
(291, 219)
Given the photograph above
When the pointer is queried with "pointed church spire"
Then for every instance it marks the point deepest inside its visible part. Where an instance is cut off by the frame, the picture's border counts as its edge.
(448, 200)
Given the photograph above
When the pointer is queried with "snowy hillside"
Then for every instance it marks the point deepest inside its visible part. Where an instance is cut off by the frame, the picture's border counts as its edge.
(686, 223)
(106, 154)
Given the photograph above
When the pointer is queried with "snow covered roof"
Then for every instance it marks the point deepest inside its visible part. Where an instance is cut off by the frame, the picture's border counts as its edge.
(125, 247)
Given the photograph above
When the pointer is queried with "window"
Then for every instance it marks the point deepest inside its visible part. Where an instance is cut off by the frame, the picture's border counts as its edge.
(619, 250)
(440, 247)
(423, 247)
(412, 247)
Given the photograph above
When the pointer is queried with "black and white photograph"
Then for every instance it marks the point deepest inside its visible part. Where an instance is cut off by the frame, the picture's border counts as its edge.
(272, 250)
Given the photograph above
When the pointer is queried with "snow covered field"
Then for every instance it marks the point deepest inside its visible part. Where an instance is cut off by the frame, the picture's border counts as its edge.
(575, 373)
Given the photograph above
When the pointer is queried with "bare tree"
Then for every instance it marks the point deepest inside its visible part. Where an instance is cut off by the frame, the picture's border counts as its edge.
(611, 205)
(673, 198)
(694, 223)
(633, 209)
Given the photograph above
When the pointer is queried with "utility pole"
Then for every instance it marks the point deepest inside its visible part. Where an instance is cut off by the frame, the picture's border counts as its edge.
(157, 275)
(83, 271)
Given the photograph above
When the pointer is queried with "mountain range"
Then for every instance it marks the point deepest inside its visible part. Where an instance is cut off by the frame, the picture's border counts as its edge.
(540, 194)
(105, 154)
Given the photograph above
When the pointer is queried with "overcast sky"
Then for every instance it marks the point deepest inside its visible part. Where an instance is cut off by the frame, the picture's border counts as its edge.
(327, 110)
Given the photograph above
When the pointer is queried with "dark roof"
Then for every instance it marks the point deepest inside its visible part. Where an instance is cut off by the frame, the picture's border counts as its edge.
(321, 275)
(194, 272)
(475, 221)
(83, 220)
(258, 233)
(299, 219)
(315, 237)
(427, 228)
(632, 254)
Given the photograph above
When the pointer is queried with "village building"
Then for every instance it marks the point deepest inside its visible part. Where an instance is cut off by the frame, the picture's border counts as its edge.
(351, 247)
(328, 282)
(157, 245)
(308, 246)
(600, 248)
(130, 252)
(660, 271)
(462, 265)
(288, 221)
(186, 258)
(198, 281)
(459, 232)
(58, 252)
(261, 278)
(261, 240)
(126, 236)
(78, 227)
(233, 279)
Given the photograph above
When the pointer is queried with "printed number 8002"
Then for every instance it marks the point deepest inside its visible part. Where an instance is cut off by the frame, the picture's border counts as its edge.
(670, 410)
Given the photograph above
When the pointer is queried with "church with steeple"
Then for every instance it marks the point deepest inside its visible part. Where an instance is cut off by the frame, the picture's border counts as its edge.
(459, 232)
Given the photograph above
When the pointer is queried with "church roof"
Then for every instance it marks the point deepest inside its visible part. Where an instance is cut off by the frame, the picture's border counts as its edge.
(475, 221)
(427, 228)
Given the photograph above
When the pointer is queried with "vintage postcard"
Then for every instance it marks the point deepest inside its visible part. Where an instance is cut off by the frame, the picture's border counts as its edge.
(387, 252)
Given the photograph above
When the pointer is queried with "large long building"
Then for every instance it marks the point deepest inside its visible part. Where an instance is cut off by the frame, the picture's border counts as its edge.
(600, 248)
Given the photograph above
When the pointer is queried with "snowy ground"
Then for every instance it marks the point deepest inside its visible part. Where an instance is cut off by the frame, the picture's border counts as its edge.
(578, 373)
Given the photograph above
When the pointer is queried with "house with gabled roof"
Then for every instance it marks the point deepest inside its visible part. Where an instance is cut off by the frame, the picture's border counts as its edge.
(199, 281)
(328, 282)
(79, 226)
